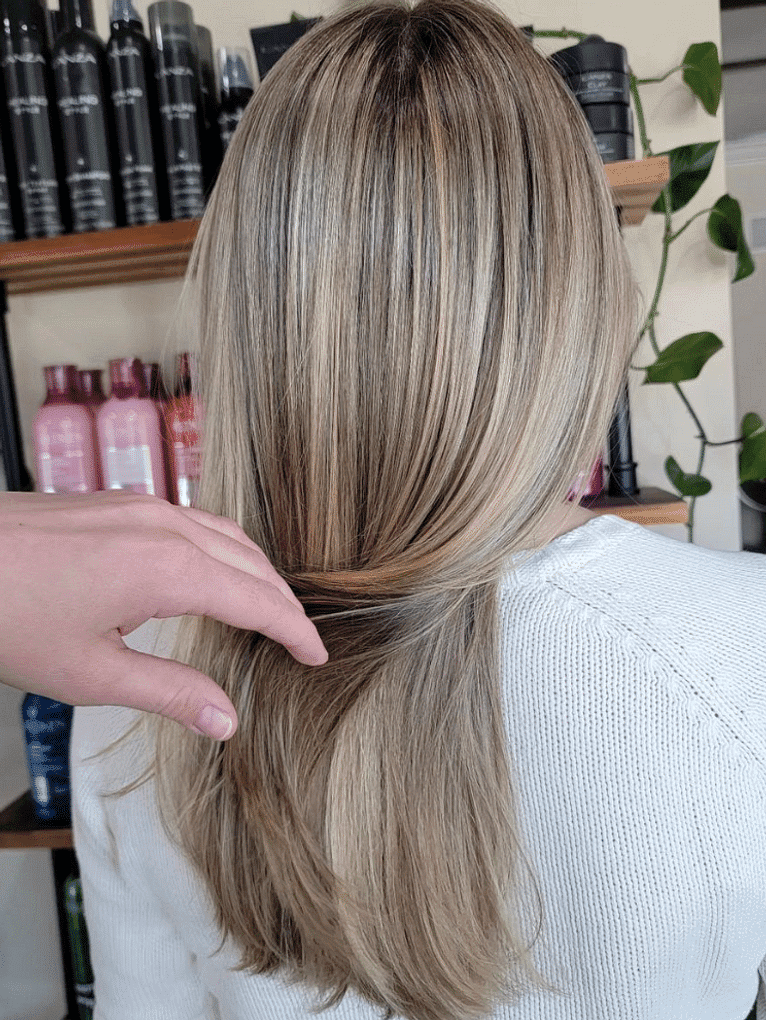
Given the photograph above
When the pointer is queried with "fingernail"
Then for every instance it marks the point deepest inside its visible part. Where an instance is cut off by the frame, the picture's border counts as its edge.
(212, 722)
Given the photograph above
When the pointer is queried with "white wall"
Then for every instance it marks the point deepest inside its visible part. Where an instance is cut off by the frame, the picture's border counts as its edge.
(90, 326)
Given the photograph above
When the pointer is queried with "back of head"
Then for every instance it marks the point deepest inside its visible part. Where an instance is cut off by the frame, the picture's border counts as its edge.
(416, 313)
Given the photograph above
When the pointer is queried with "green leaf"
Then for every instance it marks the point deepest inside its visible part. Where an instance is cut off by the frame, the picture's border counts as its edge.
(297, 17)
(724, 227)
(752, 458)
(684, 358)
(689, 169)
(751, 423)
(702, 74)
(687, 485)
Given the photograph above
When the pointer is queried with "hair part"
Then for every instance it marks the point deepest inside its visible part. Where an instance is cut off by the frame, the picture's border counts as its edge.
(416, 315)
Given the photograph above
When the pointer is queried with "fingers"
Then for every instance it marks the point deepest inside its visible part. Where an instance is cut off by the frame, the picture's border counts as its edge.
(224, 538)
(168, 688)
(211, 587)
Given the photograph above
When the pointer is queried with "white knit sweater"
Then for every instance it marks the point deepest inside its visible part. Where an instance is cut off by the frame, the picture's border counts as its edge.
(634, 677)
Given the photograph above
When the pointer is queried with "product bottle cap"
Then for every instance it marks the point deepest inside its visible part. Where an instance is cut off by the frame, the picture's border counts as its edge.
(90, 383)
(127, 377)
(25, 14)
(123, 11)
(235, 68)
(172, 22)
(204, 44)
(78, 14)
(187, 365)
(61, 381)
(153, 379)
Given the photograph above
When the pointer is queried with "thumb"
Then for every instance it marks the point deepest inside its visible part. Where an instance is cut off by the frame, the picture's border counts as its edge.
(168, 688)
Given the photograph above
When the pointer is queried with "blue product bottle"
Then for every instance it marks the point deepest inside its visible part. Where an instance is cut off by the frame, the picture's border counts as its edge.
(47, 728)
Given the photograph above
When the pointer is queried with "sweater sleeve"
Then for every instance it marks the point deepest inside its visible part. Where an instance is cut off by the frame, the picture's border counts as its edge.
(142, 969)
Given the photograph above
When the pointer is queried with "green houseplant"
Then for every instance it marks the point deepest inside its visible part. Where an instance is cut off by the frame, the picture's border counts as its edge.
(685, 357)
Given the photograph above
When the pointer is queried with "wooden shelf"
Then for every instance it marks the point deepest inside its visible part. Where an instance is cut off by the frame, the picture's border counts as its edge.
(636, 184)
(649, 506)
(125, 255)
(161, 250)
(21, 829)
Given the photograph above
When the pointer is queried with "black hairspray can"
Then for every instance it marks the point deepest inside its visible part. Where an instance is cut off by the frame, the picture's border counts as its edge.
(212, 152)
(82, 97)
(236, 89)
(134, 101)
(176, 66)
(31, 111)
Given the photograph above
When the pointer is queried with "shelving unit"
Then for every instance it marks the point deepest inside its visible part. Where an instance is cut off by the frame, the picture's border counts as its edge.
(21, 830)
(161, 251)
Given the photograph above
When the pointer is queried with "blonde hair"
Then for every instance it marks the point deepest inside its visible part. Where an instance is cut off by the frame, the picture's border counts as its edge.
(416, 314)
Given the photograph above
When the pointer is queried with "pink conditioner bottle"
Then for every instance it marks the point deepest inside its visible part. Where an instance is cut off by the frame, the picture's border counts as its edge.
(63, 436)
(129, 434)
(92, 396)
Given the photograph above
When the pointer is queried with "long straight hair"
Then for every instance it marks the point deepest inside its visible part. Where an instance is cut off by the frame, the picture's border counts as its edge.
(416, 313)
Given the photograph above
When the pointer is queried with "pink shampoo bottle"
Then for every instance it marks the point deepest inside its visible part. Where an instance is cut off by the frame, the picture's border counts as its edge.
(92, 396)
(64, 437)
(156, 390)
(129, 433)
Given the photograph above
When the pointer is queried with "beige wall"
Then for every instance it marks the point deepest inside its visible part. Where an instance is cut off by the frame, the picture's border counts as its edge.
(90, 326)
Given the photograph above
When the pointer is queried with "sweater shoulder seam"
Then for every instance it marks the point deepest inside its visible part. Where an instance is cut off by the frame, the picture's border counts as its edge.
(682, 677)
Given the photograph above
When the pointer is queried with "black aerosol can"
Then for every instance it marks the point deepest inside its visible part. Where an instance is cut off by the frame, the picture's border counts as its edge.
(85, 115)
(236, 89)
(33, 123)
(176, 66)
(134, 101)
(212, 152)
(11, 220)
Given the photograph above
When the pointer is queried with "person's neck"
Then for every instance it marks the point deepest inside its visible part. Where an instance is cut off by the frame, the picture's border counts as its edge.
(568, 517)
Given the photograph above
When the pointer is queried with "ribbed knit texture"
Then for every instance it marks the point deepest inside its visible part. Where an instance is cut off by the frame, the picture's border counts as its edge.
(634, 675)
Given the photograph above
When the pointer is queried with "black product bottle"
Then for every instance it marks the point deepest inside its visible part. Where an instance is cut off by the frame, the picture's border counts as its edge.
(11, 221)
(176, 66)
(236, 89)
(212, 151)
(7, 232)
(34, 128)
(82, 97)
(134, 101)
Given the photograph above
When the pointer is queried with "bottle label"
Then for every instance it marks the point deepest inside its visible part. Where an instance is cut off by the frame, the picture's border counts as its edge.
(179, 104)
(64, 457)
(227, 124)
(186, 461)
(130, 468)
(63, 470)
(24, 75)
(187, 453)
(127, 71)
(42, 790)
(86, 149)
(49, 770)
(6, 219)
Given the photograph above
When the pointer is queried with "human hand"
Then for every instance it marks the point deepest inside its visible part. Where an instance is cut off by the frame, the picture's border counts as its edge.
(79, 572)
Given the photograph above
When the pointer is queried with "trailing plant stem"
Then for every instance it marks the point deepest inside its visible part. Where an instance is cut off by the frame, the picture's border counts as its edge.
(667, 239)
